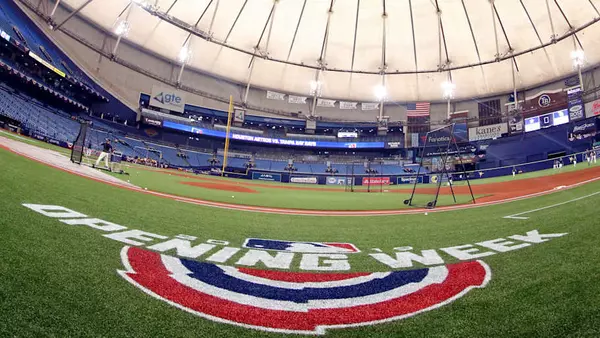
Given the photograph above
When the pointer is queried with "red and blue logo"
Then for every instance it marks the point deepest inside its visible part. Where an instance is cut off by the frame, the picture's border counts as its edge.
(297, 302)
(300, 247)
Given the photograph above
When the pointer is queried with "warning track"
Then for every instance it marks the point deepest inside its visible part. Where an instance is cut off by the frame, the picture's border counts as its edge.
(503, 192)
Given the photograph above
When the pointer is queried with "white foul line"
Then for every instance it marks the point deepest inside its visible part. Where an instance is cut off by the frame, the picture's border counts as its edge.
(517, 216)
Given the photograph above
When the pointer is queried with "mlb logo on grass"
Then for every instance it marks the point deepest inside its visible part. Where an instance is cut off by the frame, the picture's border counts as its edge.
(166, 98)
(300, 247)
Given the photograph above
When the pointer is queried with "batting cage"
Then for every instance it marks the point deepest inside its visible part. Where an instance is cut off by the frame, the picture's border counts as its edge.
(365, 176)
(441, 177)
(77, 151)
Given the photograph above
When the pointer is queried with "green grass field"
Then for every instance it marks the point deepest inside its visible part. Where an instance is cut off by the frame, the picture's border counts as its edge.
(59, 280)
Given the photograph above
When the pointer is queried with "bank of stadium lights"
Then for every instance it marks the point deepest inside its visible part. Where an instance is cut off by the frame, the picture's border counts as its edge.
(578, 57)
(185, 54)
(448, 90)
(122, 28)
(380, 92)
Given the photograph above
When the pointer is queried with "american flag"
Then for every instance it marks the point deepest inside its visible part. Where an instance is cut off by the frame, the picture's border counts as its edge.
(418, 109)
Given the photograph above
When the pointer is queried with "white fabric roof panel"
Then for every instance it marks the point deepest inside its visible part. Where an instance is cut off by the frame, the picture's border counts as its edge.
(355, 41)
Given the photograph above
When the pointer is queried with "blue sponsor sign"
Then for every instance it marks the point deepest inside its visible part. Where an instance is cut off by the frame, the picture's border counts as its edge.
(266, 177)
(269, 140)
(575, 104)
(409, 179)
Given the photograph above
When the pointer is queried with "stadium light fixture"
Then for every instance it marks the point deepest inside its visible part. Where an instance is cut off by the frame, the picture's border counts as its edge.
(380, 92)
(185, 54)
(578, 57)
(448, 90)
(122, 28)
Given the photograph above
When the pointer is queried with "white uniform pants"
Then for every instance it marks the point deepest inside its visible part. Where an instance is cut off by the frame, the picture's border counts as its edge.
(104, 156)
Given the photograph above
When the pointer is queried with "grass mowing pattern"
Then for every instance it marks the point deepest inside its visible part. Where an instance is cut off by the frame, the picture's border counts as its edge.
(60, 280)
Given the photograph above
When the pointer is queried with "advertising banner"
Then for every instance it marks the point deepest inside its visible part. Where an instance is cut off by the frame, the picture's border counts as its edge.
(515, 123)
(436, 138)
(544, 102)
(38, 136)
(266, 177)
(583, 130)
(592, 108)
(575, 104)
(409, 179)
(297, 99)
(369, 106)
(171, 99)
(326, 103)
(269, 140)
(488, 132)
(304, 180)
(376, 180)
(275, 96)
(461, 132)
(334, 180)
(239, 114)
(152, 122)
(348, 105)
(347, 134)
(394, 145)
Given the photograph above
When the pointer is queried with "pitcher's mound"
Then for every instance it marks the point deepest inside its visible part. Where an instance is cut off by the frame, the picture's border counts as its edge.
(220, 186)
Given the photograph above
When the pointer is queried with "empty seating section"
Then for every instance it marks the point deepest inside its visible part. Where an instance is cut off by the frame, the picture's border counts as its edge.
(12, 20)
(55, 124)
(35, 117)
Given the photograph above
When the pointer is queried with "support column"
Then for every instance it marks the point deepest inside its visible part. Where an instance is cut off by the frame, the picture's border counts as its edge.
(126, 21)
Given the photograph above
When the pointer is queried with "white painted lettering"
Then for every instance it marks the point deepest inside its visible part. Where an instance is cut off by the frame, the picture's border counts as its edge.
(405, 259)
(223, 255)
(534, 236)
(94, 223)
(466, 252)
(128, 236)
(282, 260)
(54, 211)
(333, 262)
(502, 245)
(182, 248)
(217, 242)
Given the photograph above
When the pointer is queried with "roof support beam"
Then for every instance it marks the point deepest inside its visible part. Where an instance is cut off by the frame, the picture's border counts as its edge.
(355, 33)
(203, 35)
(187, 43)
(296, 31)
(120, 36)
(235, 21)
(513, 68)
(321, 62)
(258, 50)
(568, 23)
(383, 67)
(497, 56)
(54, 8)
(553, 36)
(594, 6)
(87, 2)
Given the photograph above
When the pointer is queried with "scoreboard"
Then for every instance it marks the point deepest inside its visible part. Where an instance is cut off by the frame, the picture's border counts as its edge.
(547, 120)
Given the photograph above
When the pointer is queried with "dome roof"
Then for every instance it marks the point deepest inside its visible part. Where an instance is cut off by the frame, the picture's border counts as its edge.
(420, 42)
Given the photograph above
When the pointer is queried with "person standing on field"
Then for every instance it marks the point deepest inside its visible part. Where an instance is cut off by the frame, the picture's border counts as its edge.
(107, 149)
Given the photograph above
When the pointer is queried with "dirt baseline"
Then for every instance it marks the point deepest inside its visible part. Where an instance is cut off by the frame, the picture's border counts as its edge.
(490, 191)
